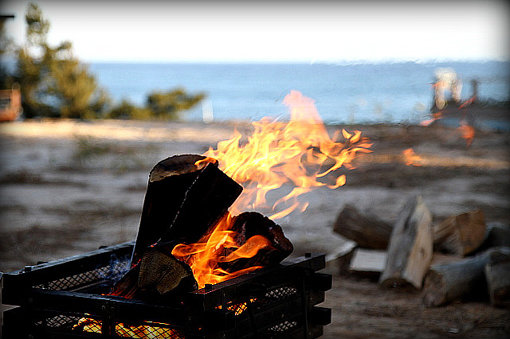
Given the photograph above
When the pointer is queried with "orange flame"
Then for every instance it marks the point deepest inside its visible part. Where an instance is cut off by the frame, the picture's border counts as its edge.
(411, 158)
(435, 116)
(154, 330)
(298, 153)
(467, 132)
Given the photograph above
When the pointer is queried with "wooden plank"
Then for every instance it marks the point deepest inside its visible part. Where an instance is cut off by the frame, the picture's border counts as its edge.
(370, 263)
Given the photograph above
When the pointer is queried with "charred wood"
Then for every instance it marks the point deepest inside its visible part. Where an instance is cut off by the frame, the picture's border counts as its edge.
(182, 201)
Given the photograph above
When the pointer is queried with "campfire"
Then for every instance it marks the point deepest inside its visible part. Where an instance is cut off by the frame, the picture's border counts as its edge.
(201, 239)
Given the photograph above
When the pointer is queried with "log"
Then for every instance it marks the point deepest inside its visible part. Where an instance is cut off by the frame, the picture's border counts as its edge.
(497, 274)
(157, 274)
(497, 236)
(447, 282)
(367, 231)
(182, 201)
(410, 247)
(249, 225)
(460, 234)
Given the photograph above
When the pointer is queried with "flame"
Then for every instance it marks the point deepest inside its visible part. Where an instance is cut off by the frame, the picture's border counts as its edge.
(154, 330)
(299, 152)
(467, 132)
(411, 158)
(435, 116)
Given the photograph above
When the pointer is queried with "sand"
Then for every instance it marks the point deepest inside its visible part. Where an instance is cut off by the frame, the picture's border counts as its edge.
(67, 187)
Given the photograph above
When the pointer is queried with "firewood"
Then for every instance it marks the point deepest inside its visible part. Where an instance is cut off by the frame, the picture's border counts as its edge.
(367, 231)
(447, 282)
(368, 263)
(182, 201)
(410, 248)
(497, 236)
(497, 274)
(157, 274)
(250, 224)
(460, 234)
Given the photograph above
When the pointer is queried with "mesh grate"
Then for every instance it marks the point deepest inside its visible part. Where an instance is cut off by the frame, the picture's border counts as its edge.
(111, 272)
(61, 321)
(281, 292)
(283, 327)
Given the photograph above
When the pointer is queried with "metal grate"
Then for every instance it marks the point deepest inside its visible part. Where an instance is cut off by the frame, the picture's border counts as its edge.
(281, 292)
(109, 272)
(283, 327)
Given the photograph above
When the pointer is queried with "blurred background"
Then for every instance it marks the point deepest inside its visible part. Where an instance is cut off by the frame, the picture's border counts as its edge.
(95, 93)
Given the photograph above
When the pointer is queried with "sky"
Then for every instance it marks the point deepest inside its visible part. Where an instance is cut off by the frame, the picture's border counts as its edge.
(274, 31)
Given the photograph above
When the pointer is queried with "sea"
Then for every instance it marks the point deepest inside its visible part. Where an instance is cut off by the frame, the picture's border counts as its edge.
(343, 93)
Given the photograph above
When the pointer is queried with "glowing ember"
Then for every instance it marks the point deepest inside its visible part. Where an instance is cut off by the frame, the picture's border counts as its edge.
(297, 153)
(411, 158)
(467, 132)
(154, 330)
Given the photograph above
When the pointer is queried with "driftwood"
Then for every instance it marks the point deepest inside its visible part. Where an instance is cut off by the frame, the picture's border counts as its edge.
(447, 282)
(366, 231)
(460, 234)
(410, 248)
(182, 201)
(497, 274)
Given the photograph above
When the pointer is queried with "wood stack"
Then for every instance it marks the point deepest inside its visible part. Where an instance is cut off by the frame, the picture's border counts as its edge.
(459, 257)
(187, 195)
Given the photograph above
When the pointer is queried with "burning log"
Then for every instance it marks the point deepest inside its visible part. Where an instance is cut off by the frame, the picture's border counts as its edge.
(186, 194)
(497, 274)
(366, 231)
(460, 234)
(410, 248)
(447, 282)
(253, 224)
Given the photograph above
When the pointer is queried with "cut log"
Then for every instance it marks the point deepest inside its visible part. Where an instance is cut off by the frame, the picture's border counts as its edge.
(367, 231)
(497, 274)
(460, 234)
(368, 263)
(410, 248)
(447, 282)
(182, 201)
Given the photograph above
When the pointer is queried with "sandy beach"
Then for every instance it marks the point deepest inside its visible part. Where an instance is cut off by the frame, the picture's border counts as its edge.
(68, 187)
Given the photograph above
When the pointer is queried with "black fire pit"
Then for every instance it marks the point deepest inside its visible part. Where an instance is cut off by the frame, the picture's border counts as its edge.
(68, 299)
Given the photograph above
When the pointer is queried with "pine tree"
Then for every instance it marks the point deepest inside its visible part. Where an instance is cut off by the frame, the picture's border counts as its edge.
(53, 82)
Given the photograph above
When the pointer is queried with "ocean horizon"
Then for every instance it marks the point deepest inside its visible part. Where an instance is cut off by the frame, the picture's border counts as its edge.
(382, 92)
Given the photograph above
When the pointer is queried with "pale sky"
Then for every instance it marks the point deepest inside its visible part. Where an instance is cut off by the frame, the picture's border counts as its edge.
(282, 31)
